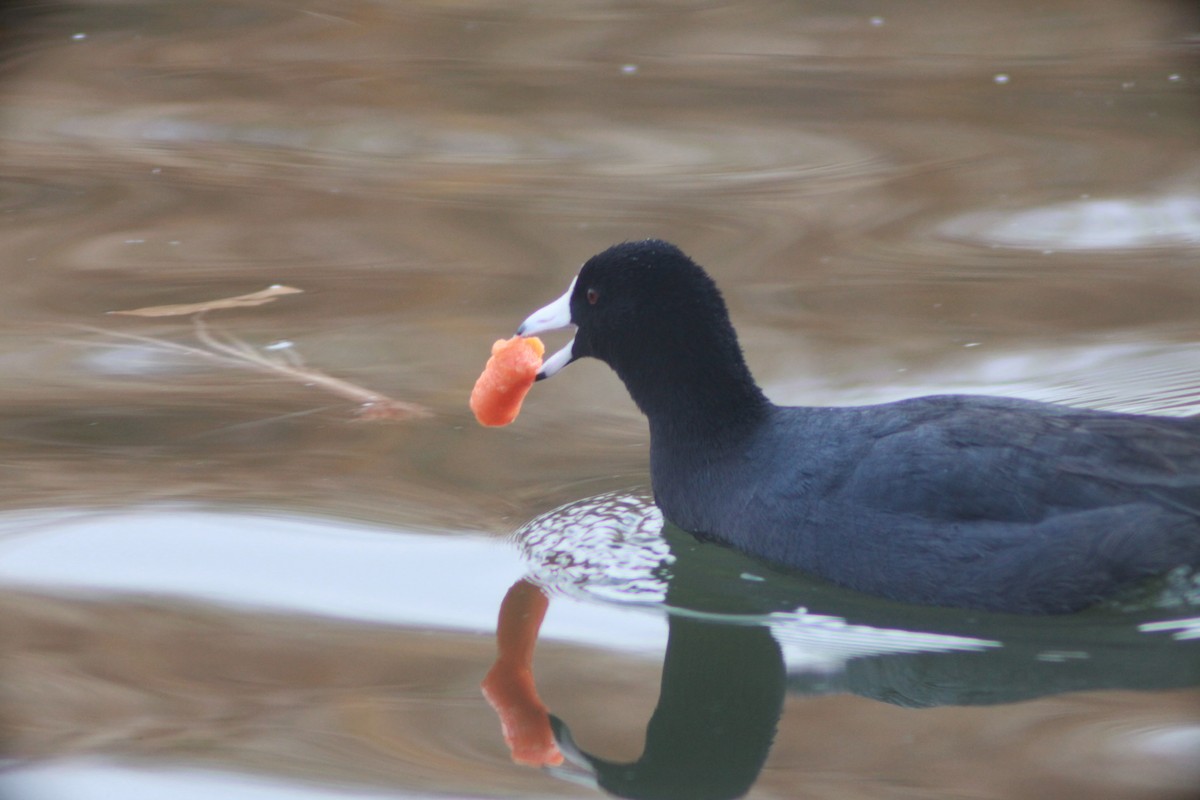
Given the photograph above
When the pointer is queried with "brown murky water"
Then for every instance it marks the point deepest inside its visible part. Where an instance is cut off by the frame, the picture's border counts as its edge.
(219, 581)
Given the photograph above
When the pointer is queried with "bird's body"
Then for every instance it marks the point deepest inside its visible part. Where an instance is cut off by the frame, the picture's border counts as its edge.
(968, 501)
(971, 501)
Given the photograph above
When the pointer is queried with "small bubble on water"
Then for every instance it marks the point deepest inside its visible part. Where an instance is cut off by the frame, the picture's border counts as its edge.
(1174, 77)
(282, 344)
(1000, 78)
(629, 69)
(876, 21)
(78, 37)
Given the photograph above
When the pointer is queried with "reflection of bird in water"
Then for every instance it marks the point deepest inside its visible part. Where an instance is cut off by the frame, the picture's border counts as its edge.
(719, 703)
(968, 501)
(720, 699)
(609, 546)
(741, 636)
(722, 685)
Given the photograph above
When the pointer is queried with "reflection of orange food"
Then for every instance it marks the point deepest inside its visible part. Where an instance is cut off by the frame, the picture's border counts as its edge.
(500, 390)
(509, 686)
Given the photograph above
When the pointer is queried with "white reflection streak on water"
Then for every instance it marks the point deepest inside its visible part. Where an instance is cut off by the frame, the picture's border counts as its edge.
(85, 780)
(296, 565)
(1086, 224)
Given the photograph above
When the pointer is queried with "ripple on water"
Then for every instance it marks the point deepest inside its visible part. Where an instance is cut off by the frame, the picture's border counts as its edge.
(1145, 752)
(1132, 377)
(1140, 378)
(1178, 745)
(716, 150)
(609, 546)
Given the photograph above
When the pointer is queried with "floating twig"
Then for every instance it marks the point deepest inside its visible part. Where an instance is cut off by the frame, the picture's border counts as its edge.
(231, 351)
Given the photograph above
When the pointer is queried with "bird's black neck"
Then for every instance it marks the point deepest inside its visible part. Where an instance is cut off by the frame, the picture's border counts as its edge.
(704, 391)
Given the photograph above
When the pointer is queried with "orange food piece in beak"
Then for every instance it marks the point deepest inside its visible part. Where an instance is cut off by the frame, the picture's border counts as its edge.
(510, 372)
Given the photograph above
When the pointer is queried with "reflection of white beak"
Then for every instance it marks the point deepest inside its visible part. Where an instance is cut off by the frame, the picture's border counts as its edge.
(553, 317)
(576, 766)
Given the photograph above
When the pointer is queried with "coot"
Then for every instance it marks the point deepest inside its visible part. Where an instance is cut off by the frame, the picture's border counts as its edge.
(978, 502)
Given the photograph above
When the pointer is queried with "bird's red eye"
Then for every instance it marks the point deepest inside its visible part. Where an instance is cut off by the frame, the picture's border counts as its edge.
(593, 297)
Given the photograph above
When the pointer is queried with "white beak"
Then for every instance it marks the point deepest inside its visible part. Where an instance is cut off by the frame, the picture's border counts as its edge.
(553, 317)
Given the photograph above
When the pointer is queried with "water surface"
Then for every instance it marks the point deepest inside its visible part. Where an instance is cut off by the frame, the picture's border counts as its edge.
(219, 579)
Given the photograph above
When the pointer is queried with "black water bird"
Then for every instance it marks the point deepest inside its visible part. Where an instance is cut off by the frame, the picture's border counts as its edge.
(978, 502)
